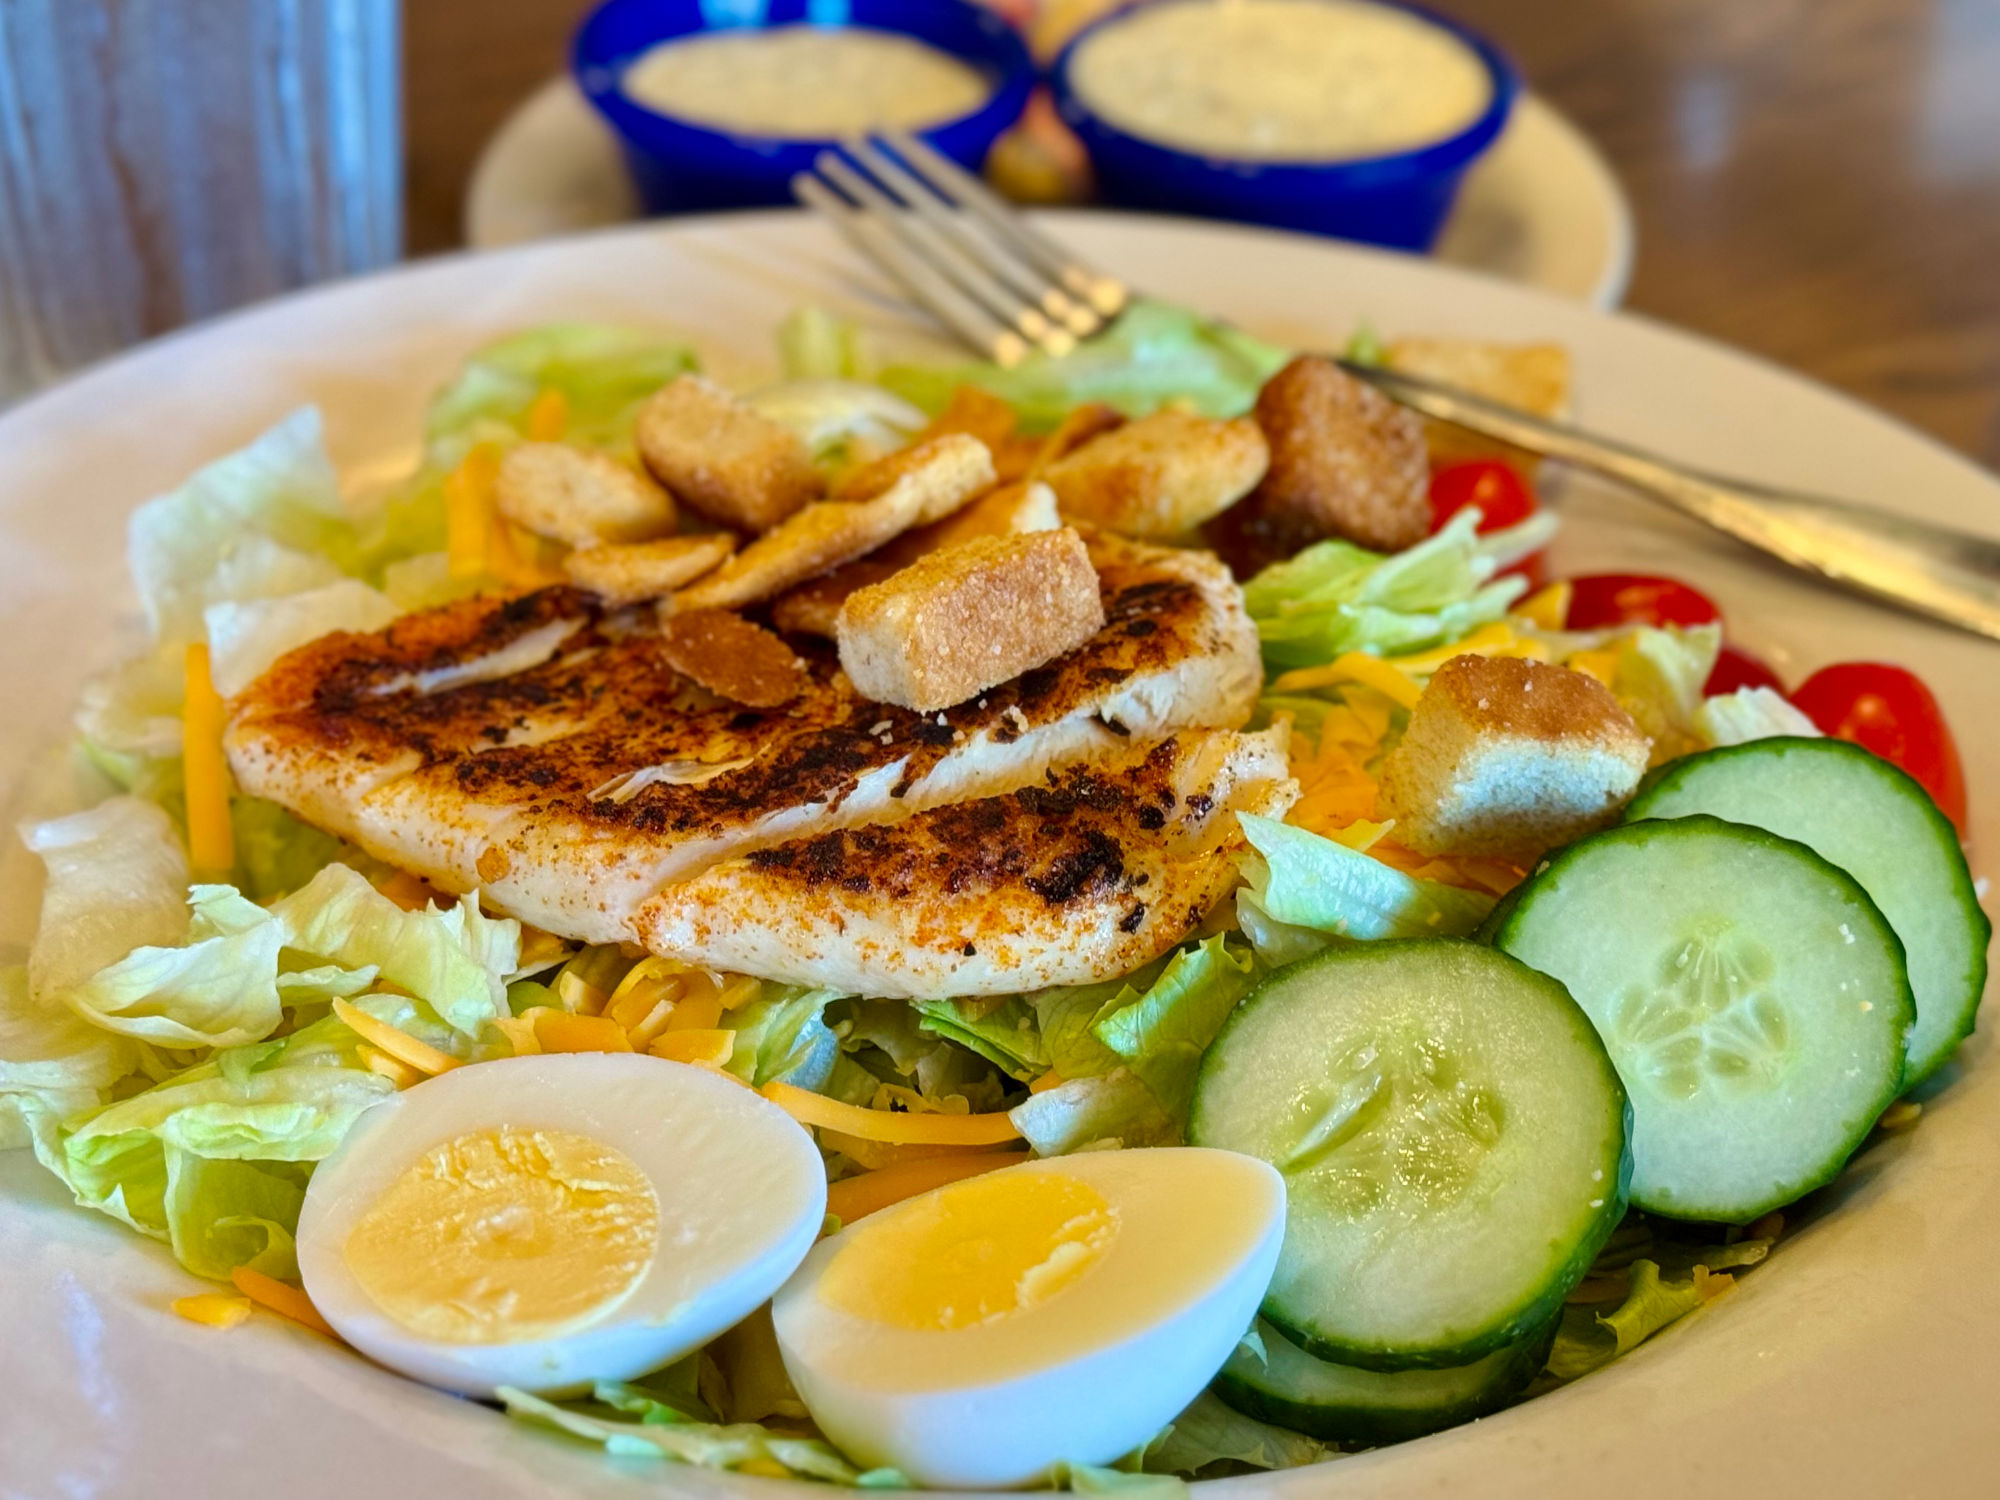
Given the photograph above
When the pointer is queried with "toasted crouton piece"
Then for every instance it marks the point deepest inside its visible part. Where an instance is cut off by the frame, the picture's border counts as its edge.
(1345, 461)
(825, 535)
(969, 618)
(1079, 425)
(646, 570)
(733, 658)
(1532, 377)
(1011, 510)
(578, 497)
(731, 463)
(1510, 757)
(1161, 476)
(981, 414)
(944, 467)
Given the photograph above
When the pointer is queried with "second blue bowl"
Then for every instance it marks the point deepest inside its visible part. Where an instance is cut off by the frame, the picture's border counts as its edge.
(1399, 200)
(683, 167)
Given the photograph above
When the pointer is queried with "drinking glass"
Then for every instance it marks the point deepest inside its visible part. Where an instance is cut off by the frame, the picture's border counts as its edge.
(165, 160)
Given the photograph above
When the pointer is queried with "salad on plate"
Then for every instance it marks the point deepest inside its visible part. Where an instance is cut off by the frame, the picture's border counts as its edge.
(1095, 924)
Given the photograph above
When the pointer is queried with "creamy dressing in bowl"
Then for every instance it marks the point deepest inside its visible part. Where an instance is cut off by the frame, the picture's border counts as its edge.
(804, 82)
(1281, 80)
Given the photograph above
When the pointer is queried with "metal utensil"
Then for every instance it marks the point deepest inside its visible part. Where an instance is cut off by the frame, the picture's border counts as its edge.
(1006, 288)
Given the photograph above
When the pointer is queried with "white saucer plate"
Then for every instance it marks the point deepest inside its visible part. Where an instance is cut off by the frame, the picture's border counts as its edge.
(1862, 1361)
(1543, 207)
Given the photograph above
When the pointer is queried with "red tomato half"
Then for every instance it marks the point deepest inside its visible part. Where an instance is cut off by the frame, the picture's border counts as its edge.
(1600, 599)
(1502, 496)
(1739, 669)
(1889, 711)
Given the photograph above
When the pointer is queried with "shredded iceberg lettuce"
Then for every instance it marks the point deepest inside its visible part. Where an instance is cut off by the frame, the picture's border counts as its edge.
(1755, 713)
(1154, 353)
(1298, 884)
(1335, 597)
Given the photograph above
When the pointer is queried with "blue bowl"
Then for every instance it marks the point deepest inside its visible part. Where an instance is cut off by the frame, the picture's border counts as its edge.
(1399, 200)
(682, 167)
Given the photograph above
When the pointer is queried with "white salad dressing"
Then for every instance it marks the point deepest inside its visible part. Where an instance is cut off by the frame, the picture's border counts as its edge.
(805, 82)
(1281, 80)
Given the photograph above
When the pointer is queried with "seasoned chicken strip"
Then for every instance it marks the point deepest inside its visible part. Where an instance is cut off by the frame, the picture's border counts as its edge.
(542, 749)
(1093, 871)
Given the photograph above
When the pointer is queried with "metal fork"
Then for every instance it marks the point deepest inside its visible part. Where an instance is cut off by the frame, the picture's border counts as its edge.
(1006, 289)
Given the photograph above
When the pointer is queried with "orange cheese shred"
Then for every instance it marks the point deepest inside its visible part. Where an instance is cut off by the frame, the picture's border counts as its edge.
(284, 1300)
(857, 1197)
(809, 1108)
(211, 840)
(559, 1031)
(215, 1309)
(548, 416)
(468, 509)
(397, 1043)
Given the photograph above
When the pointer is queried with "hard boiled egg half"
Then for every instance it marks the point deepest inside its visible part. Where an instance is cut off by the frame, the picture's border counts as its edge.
(1058, 1310)
(549, 1221)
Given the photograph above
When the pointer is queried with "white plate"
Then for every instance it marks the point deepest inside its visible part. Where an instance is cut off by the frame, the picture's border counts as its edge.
(1864, 1361)
(1542, 207)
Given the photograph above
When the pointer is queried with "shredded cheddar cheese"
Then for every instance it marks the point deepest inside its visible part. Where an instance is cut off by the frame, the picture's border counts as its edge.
(548, 416)
(712, 1048)
(397, 1043)
(468, 502)
(892, 1129)
(286, 1301)
(559, 1031)
(211, 840)
(214, 1309)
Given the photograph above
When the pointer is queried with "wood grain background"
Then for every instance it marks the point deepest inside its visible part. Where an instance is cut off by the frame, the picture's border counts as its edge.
(1814, 180)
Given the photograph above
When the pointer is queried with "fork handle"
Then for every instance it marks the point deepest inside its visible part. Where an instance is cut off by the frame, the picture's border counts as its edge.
(1936, 571)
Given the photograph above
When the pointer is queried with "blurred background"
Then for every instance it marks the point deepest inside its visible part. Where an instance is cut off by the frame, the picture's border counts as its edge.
(1815, 180)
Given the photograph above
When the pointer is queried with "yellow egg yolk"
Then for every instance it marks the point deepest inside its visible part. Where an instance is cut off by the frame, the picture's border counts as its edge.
(506, 1235)
(972, 1253)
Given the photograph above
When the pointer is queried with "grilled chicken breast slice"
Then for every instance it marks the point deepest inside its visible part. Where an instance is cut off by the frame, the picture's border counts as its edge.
(1094, 870)
(541, 748)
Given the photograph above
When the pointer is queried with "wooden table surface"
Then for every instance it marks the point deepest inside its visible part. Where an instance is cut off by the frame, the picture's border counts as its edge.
(1814, 180)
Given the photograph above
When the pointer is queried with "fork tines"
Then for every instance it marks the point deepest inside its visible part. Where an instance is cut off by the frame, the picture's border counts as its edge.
(961, 250)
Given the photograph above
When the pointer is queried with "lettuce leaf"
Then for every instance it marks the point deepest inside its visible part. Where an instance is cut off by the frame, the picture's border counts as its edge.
(1586, 1342)
(1152, 354)
(1211, 1432)
(1756, 713)
(1335, 597)
(783, 1037)
(662, 1431)
(217, 988)
(814, 344)
(839, 421)
(1162, 1034)
(214, 1159)
(1006, 1036)
(604, 373)
(117, 880)
(275, 852)
(246, 635)
(455, 959)
(1659, 680)
(52, 1064)
(129, 720)
(1304, 882)
(264, 521)
(1113, 1108)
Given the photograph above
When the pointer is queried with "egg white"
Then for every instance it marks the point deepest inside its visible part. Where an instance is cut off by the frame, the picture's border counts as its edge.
(1087, 1376)
(741, 1189)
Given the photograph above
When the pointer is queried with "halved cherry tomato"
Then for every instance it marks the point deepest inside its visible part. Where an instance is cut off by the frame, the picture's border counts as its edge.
(1501, 494)
(1889, 711)
(1600, 599)
(1736, 669)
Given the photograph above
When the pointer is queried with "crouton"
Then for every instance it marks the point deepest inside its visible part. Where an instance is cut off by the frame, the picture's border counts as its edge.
(1079, 425)
(733, 658)
(1510, 757)
(969, 618)
(731, 463)
(824, 535)
(1533, 377)
(981, 414)
(579, 498)
(1161, 476)
(646, 570)
(1011, 510)
(1345, 461)
(945, 467)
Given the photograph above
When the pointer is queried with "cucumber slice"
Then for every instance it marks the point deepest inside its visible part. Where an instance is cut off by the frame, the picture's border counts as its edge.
(1453, 1139)
(1751, 994)
(1857, 811)
(1364, 1408)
